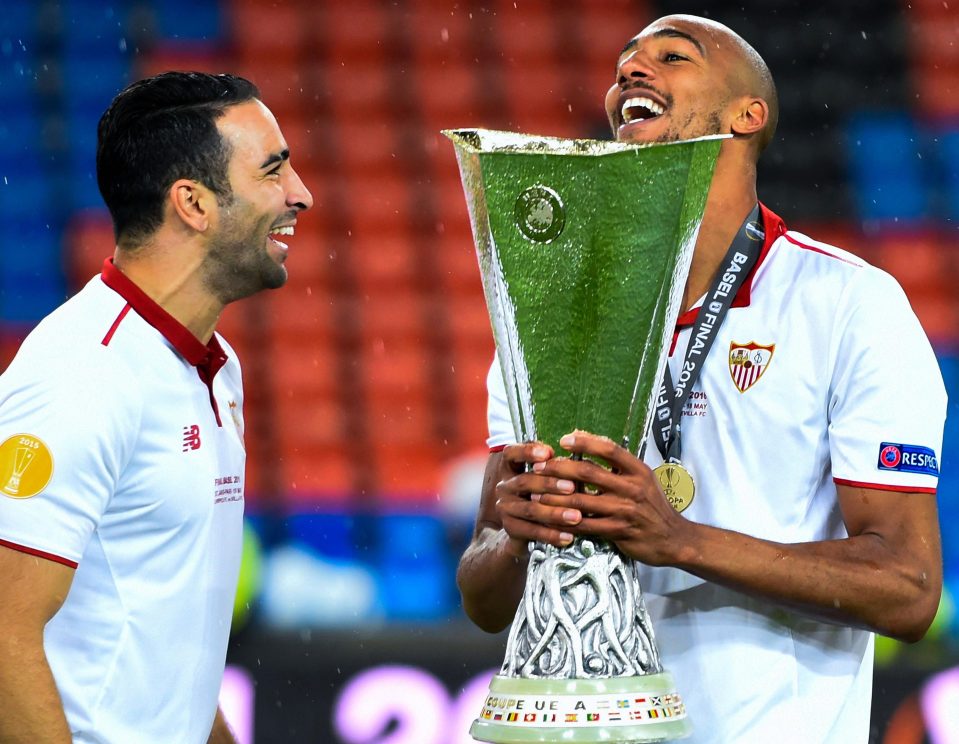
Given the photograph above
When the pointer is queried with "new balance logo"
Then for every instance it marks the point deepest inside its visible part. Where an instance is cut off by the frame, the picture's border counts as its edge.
(191, 438)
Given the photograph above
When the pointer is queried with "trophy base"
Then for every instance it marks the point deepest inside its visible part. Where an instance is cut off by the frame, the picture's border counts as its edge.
(616, 709)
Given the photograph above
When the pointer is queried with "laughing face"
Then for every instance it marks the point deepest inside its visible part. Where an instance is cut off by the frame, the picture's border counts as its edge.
(245, 253)
(672, 83)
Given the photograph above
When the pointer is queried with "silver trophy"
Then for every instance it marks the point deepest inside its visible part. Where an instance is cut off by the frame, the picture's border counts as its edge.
(584, 248)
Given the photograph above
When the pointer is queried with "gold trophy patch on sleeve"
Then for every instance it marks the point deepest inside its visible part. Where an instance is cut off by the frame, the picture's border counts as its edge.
(26, 466)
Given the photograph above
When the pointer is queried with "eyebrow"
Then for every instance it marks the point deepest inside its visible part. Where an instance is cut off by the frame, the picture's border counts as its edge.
(277, 157)
(672, 33)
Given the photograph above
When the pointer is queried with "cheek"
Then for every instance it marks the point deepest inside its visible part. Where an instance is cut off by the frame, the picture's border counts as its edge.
(612, 100)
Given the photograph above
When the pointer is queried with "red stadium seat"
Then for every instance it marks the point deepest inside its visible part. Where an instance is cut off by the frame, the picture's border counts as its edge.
(468, 319)
(392, 368)
(89, 240)
(470, 368)
(443, 32)
(298, 309)
(317, 475)
(267, 32)
(934, 39)
(284, 86)
(384, 262)
(457, 262)
(357, 30)
(308, 420)
(359, 90)
(939, 317)
(303, 366)
(918, 260)
(404, 421)
(450, 96)
(365, 145)
(541, 96)
(472, 352)
(380, 201)
(937, 92)
(526, 32)
(409, 476)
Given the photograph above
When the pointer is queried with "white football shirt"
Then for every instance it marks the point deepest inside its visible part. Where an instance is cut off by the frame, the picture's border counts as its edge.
(820, 374)
(121, 455)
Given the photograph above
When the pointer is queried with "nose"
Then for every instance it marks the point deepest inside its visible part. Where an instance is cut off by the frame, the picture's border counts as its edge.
(635, 66)
(297, 195)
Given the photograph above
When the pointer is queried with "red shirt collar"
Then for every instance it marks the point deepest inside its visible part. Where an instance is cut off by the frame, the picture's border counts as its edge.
(208, 359)
(774, 227)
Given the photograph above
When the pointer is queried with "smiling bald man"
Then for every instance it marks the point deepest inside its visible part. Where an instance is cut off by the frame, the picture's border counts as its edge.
(813, 521)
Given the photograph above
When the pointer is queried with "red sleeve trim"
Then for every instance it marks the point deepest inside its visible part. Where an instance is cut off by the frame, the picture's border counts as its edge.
(39, 553)
(497, 448)
(883, 486)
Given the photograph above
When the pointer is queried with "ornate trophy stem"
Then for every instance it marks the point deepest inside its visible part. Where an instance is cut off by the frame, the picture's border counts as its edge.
(582, 616)
(582, 620)
(607, 229)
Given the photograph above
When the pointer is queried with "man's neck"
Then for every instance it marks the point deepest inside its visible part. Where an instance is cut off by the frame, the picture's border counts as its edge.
(729, 202)
(171, 278)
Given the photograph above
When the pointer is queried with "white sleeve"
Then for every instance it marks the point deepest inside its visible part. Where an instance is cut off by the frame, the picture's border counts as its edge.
(497, 409)
(887, 402)
(66, 431)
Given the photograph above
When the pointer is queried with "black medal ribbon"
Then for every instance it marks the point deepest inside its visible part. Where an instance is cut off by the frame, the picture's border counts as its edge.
(739, 261)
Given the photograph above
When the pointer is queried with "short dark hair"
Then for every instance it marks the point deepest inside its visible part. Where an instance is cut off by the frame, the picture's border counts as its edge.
(156, 131)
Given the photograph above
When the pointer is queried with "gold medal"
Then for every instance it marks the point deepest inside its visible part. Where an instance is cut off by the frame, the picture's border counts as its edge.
(677, 484)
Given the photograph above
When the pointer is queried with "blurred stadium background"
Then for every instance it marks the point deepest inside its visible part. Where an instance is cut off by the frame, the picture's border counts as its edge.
(365, 375)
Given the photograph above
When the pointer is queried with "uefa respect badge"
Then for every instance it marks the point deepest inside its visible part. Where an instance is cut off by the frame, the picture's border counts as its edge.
(908, 458)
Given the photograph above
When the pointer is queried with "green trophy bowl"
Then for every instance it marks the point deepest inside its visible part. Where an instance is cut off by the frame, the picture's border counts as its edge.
(584, 248)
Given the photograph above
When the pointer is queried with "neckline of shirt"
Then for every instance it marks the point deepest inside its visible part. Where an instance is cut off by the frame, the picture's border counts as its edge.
(207, 358)
(774, 227)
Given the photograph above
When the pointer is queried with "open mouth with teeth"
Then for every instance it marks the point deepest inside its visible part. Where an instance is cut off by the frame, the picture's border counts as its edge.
(640, 109)
(285, 230)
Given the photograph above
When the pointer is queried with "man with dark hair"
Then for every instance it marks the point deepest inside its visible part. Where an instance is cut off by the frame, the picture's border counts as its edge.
(813, 519)
(121, 429)
(153, 130)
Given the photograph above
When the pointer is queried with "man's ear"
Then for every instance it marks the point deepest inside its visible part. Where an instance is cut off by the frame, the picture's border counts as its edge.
(192, 203)
(751, 118)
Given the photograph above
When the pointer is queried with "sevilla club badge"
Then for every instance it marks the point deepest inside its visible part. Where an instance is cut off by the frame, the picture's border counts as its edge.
(748, 362)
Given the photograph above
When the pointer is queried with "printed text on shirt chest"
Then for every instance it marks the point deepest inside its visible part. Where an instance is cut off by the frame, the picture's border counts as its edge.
(697, 404)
